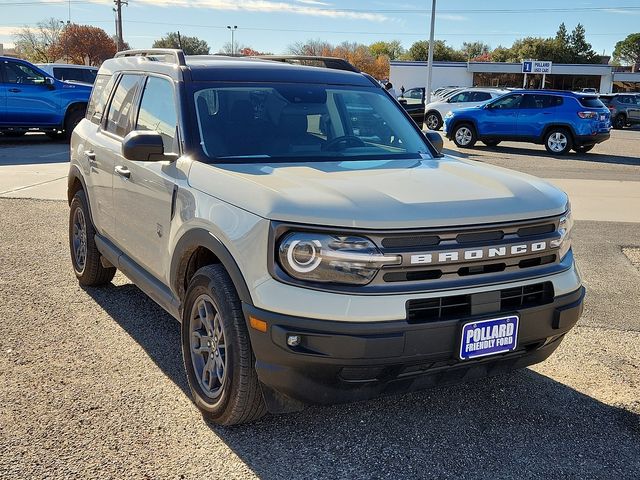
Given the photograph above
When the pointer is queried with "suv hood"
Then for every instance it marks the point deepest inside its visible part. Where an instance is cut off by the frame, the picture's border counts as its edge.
(381, 194)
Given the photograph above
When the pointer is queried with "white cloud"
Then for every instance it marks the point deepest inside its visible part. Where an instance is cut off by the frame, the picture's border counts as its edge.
(313, 2)
(268, 6)
(6, 31)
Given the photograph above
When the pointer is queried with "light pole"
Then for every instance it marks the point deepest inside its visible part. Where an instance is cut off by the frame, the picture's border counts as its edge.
(233, 45)
(430, 64)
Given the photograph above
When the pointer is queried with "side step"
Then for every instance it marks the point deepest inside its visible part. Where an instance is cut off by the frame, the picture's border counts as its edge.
(149, 284)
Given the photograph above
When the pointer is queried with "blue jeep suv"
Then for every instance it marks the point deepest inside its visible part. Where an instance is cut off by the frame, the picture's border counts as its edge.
(559, 120)
(30, 99)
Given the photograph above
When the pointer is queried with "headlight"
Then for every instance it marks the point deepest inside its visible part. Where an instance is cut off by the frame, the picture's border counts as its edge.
(564, 229)
(318, 257)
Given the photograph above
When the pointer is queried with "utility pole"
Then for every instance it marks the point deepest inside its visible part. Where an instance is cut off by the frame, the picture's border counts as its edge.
(430, 63)
(118, 11)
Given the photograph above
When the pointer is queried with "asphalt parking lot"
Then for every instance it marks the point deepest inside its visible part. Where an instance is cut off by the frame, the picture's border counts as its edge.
(92, 382)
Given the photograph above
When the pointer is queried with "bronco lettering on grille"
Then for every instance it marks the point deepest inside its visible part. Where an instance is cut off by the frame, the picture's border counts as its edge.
(470, 255)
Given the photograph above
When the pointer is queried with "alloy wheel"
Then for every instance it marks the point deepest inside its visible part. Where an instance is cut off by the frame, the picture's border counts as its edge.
(208, 346)
(463, 136)
(557, 142)
(79, 240)
(432, 121)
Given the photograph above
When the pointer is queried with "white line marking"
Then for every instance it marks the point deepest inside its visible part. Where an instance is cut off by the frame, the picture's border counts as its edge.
(54, 154)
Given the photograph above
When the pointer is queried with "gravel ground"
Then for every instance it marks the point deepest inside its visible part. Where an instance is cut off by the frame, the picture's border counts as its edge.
(92, 385)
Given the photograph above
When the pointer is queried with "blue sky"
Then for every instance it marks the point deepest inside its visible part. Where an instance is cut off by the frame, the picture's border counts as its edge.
(272, 25)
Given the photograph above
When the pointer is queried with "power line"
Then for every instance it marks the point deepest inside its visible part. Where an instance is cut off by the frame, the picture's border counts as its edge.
(388, 11)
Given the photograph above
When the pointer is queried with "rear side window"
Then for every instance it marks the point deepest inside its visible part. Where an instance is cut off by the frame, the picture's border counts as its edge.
(99, 97)
(591, 102)
(480, 96)
(119, 116)
(65, 73)
(540, 101)
(158, 111)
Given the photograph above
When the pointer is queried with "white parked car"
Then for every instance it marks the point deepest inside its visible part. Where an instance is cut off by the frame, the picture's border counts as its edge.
(74, 73)
(469, 97)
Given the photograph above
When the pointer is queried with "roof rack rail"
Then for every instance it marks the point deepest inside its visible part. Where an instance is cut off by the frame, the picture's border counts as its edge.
(311, 60)
(172, 55)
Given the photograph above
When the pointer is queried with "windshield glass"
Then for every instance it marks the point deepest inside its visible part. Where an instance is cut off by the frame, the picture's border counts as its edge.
(303, 122)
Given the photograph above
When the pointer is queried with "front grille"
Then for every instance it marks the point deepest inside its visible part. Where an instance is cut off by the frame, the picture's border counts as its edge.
(491, 243)
(459, 306)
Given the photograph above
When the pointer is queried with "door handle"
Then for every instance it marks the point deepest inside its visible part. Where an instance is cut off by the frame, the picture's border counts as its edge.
(15, 90)
(91, 155)
(123, 172)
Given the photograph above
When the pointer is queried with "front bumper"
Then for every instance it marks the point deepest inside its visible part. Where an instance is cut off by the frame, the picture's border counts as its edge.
(348, 361)
(580, 140)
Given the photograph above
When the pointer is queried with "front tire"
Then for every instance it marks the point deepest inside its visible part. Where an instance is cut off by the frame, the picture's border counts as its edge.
(619, 121)
(85, 257)
(217, 351)
(464, 135)
(433, 121)
(558, 141)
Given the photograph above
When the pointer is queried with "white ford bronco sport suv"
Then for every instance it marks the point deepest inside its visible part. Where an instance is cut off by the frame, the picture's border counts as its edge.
(312, 242)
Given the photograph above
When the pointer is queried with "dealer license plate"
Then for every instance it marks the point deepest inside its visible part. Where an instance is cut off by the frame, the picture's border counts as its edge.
(481, 338)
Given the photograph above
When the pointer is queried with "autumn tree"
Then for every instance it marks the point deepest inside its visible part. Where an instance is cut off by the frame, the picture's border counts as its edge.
(474, 50)
(189, 45)
(38, 44)
(357, 54)
(250, 52)
(315, 48)
(628, 51)
(84, 44)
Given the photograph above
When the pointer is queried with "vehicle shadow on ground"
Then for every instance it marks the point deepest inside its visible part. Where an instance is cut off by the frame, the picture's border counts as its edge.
(513, 426)
(476, 153)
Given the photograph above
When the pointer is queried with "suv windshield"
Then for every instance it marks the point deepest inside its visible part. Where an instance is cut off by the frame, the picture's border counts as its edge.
(303, 122)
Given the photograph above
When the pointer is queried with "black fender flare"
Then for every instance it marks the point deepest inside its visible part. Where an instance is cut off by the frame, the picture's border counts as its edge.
(75, 174)
(199, 237)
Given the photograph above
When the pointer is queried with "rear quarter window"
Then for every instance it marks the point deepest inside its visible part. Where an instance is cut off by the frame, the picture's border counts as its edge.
(591, 102)
(99, 97)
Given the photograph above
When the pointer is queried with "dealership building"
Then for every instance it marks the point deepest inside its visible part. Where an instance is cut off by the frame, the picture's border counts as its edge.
(604, 78)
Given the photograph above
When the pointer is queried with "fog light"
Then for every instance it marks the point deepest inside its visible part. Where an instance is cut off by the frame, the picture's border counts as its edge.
(293, 340)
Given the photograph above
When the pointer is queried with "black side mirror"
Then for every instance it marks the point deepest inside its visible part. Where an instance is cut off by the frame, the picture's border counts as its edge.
(50, 83)
(435, 139)
(145, 146)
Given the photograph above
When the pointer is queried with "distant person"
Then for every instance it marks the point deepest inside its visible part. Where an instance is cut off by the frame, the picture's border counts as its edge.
(390, 89)
(402, 90)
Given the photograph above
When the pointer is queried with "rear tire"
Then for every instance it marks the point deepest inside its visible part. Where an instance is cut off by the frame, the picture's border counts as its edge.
(85, 257)
(73, 119)
(558, 141)
(433, 121)
(619, 121)
(464, 135)
(491, 143)
(583, 148)
(217, 351)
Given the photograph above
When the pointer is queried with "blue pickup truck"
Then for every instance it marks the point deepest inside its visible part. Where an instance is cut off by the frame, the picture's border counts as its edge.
(30, 99)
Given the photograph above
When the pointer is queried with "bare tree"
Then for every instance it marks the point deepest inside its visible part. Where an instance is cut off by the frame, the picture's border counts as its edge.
(36, 44)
